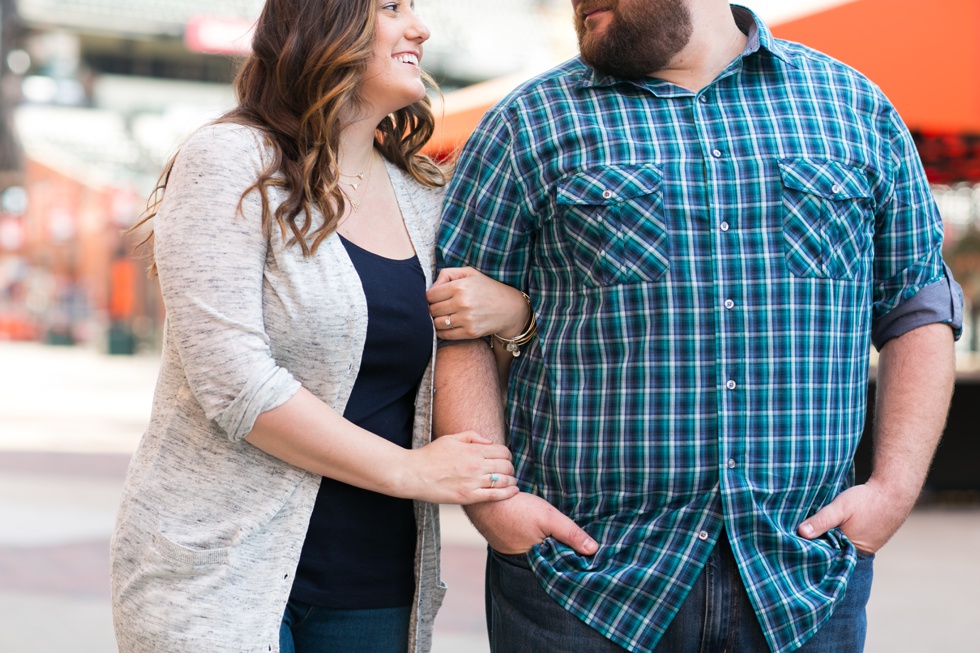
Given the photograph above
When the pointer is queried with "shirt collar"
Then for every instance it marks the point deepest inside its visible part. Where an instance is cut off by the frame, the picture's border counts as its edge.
(759, 38)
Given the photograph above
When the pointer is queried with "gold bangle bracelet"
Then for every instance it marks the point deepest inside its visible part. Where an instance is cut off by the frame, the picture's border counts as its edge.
(513, 345)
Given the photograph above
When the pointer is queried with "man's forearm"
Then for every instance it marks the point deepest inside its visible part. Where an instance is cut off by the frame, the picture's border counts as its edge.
(916, 373)
(467, 398)
(467, 392)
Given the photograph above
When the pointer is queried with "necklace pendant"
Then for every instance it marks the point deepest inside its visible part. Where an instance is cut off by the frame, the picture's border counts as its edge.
(355, 205)
(354, 186)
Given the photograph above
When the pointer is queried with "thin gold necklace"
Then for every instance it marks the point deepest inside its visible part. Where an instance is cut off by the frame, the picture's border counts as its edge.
(354, 185)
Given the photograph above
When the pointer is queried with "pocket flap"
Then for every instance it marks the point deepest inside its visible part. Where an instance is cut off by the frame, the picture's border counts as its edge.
(608, 184)
(829, 179)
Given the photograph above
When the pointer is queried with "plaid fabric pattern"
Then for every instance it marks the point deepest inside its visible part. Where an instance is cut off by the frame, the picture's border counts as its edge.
(706, 269)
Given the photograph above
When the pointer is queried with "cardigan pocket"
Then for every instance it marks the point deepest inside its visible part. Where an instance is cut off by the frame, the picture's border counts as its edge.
(614, 220)
(184, 559)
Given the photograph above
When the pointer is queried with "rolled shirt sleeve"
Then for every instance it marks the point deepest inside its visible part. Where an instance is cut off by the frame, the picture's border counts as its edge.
(939, 302)
(913, 286)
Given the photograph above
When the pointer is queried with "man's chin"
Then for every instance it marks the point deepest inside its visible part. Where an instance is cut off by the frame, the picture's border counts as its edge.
(591, 54)
(600, 64)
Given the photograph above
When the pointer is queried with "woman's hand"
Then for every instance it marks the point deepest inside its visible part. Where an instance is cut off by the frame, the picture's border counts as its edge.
(466, 304)
(463, 468)
(458, 468)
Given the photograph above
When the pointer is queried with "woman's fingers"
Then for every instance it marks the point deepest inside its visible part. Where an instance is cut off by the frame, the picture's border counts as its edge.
(467, 304)
(498, 487)
(444, 312)
(444, 322)
(451, 274)
(498, 494)
(467, 468)
(459, 303)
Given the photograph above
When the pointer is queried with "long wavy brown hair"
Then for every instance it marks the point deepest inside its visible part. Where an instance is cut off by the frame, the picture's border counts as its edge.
(298, 86)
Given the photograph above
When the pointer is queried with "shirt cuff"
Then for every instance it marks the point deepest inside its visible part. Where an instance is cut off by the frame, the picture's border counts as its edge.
(939, 302)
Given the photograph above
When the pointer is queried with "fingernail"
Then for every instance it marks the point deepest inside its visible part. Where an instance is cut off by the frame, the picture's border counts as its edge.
(806, 529)
(591, 546)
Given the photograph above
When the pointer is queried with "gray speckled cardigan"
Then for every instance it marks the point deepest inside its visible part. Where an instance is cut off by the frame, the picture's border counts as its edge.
(210, 529)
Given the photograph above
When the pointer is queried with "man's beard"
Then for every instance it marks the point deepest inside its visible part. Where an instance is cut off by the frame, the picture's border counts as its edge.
(642, 37)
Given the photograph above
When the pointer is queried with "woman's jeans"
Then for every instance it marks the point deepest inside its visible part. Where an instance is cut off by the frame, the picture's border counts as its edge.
(716, 616)
(310, 629)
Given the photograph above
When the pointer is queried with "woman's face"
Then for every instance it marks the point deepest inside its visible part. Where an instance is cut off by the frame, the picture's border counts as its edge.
(394, 79)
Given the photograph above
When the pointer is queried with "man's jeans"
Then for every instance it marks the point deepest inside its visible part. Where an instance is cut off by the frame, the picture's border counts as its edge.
(716, 617)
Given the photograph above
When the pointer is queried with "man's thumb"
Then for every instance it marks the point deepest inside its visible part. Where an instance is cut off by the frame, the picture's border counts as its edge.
(825, 519)
(572, 535)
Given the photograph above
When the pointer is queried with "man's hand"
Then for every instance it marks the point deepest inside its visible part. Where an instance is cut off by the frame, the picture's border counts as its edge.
(866, 514)
(516, 525)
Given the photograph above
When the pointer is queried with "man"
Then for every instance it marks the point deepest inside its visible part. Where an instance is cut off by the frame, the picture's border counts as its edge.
(713, 227)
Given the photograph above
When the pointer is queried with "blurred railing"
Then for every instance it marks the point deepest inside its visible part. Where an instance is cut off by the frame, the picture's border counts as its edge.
(135, 16)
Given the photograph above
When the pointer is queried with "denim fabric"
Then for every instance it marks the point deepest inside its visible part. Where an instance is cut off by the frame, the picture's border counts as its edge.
(522, 618)
(716, 617)
(310, 629)
(846, 629)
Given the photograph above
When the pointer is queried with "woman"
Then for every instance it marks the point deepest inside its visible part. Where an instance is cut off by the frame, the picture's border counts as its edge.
(293, 239)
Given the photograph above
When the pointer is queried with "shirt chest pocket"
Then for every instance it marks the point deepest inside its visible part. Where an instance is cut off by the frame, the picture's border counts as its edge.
(828, 219)
(614, 223)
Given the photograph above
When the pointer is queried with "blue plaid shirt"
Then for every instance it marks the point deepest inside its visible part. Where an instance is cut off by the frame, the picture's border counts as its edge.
(707, 269)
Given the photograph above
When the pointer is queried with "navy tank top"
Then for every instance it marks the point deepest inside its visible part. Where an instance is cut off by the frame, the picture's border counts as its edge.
(359, 551)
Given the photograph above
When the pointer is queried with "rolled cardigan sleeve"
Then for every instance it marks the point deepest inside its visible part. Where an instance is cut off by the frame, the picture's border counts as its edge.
(211, 260)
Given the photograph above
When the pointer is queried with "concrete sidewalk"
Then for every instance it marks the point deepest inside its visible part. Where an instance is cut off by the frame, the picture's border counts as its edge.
(69, 417)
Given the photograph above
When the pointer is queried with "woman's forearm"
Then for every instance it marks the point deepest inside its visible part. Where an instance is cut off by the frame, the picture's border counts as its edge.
(307, 433)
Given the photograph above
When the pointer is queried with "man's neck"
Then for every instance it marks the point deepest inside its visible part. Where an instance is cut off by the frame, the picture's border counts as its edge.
(715, 42)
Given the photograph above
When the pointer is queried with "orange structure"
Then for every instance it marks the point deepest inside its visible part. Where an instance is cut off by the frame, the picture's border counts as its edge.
(458, 113)
(925, 59)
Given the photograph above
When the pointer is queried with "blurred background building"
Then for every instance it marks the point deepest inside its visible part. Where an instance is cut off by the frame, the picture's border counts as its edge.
(95, 94)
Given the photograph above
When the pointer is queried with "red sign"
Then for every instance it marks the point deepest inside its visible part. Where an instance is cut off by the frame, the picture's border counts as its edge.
(219, 35)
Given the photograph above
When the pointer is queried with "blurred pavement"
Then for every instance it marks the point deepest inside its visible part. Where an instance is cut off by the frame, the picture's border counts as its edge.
(69, 418)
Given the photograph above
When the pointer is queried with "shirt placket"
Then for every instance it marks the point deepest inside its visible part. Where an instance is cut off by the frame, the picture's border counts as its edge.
(725, 244)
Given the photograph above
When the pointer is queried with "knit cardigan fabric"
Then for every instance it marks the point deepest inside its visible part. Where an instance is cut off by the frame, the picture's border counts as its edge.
(210, 529)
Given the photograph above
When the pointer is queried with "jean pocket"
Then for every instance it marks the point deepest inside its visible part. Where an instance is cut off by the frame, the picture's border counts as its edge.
(828, 219)
(845, 546)
(614, 220)
(512, 559)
